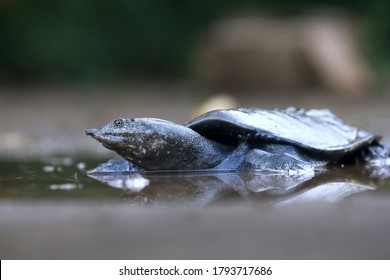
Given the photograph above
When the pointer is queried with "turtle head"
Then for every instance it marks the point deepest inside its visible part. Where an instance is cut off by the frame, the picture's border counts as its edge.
(152, 144)
(140, 141)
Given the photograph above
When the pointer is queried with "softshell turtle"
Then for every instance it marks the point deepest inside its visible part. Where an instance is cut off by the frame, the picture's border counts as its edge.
(237, 140)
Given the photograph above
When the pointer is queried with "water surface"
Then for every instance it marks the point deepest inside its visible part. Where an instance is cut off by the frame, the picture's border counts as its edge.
(65, 178)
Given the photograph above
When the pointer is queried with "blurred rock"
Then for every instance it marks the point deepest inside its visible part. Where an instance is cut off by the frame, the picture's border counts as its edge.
(334, 54)
(282, 54)
(216, 102)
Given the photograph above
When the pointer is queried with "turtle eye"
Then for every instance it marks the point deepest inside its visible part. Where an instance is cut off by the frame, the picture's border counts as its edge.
(118, 122)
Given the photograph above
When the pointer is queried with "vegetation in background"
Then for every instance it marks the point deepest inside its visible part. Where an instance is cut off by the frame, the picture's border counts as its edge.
(115, 40)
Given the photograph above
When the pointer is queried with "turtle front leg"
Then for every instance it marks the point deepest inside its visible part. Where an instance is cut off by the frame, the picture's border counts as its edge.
(116, 165)
(282, 161)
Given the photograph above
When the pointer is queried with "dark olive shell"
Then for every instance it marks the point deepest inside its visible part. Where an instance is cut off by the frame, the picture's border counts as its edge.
(315, 130)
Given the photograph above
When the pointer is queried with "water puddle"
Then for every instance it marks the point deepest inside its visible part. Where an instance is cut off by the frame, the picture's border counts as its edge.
(66, 179)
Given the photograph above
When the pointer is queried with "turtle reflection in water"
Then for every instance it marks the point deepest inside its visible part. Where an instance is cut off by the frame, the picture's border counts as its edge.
(199, 189)
(280, 140)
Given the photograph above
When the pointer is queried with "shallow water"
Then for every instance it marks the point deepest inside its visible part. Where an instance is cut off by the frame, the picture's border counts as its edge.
(66, 179)
(52, 209)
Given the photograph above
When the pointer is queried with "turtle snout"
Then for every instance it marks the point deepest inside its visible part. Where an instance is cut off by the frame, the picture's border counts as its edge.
(91, 131)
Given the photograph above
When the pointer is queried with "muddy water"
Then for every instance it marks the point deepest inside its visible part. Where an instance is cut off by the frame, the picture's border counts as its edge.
(66, 179)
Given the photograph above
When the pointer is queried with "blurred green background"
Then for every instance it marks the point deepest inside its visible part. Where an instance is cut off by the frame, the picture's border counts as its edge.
(99, 40)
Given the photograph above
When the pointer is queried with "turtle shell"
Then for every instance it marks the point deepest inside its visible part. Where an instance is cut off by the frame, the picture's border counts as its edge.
(315, 130)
